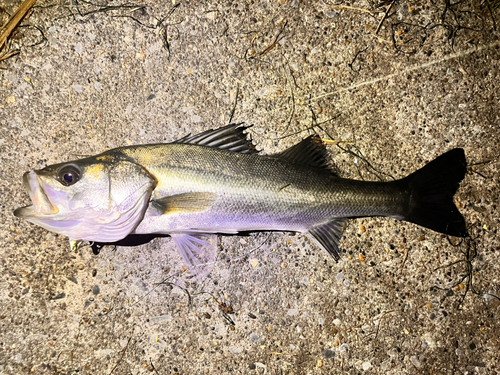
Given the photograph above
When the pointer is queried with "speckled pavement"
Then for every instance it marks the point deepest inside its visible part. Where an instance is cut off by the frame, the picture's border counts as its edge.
(390, 86)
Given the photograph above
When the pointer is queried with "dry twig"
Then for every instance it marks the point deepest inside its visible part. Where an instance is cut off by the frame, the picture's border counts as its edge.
(342, 7)
(121, 357)
(14, 21)
(385, 16)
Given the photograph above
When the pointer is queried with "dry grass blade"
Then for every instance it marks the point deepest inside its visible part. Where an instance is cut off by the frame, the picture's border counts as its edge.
(9, 55)
(14, 20)
(385, 16)
(121, 357)
(347, 7)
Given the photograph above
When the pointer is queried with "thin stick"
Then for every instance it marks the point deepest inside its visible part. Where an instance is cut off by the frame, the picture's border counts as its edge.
(14, 20)
(384, 17)
(235, 102)
(153, 366)
(293, 99)
(342, 7)
(276, 40)
(123, 354)
(409, 70)
(10, 54)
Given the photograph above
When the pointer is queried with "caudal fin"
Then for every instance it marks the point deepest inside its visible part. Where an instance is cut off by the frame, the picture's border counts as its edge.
(431, 194)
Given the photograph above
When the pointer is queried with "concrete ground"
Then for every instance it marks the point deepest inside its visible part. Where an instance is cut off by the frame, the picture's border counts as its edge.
(392, 88)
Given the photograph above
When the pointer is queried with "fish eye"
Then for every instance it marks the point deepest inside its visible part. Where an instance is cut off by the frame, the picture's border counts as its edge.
(69, 175)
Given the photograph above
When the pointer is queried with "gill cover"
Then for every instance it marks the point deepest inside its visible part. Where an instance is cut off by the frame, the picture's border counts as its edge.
(130, 187)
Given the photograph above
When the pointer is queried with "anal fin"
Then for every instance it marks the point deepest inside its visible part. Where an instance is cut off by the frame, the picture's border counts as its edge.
(327, 236)
(198, 251)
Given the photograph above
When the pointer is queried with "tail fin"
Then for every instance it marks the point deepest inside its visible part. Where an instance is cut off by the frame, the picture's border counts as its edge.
(431, 194)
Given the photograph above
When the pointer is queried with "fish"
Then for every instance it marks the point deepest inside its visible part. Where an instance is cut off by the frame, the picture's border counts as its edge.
(216, 182)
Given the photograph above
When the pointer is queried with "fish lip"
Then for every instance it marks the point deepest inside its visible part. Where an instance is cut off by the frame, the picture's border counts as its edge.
(26, 182)
(26, 211)
(41, 203)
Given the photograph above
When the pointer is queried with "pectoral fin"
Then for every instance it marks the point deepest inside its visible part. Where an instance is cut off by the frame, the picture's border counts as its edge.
(328, 236)
(198, 251)
(180, 203)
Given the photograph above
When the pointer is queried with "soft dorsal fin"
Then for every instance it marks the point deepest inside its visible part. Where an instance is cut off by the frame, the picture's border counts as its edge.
(230, 137)
(183, 203)
(310, 151)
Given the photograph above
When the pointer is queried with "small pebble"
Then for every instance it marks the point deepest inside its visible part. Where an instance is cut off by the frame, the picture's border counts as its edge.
(94, 272)
(79, 48)
(254, 338)
(96, 290)
(329, 353)
(367, 366)
(292, 312)
(328, 13)
(415, 362)
(235, 350)
(250, 315)
(60, 296)
(161, 318)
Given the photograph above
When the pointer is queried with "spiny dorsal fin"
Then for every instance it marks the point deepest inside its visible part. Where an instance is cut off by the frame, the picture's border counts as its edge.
(328, 236)
(187, 202)
(230, 137)
(310, 151)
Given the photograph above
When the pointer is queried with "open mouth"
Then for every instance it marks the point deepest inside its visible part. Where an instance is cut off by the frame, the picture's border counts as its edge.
(41, 203)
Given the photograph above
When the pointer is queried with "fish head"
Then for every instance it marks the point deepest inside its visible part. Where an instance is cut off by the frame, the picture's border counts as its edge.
(101, 198)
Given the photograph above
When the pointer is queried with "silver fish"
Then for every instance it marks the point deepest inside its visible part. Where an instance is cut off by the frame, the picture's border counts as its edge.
(216, 182)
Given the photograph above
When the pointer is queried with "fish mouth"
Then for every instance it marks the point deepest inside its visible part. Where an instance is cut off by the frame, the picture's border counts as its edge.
(41, 203)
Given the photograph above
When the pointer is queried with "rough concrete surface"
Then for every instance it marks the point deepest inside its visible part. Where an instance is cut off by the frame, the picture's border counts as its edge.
(403, 299)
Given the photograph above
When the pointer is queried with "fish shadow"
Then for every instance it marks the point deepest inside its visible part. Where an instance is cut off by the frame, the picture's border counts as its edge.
(141, 239)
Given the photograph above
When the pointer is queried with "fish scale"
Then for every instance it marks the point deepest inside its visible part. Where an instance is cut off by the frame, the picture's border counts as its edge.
(255, 192)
